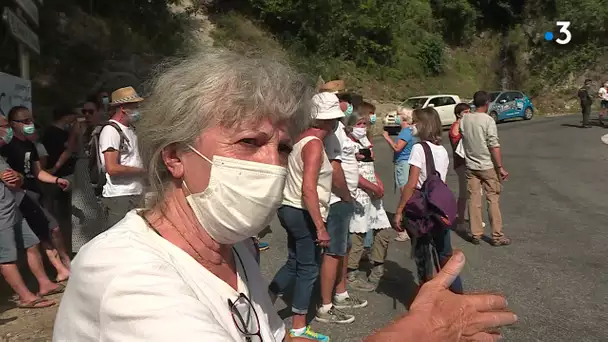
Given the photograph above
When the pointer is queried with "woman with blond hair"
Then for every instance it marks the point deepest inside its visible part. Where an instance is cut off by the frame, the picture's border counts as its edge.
(402, 148)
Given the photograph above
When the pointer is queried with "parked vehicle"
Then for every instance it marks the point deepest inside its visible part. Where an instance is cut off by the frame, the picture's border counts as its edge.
(443, 104)
(509, 104)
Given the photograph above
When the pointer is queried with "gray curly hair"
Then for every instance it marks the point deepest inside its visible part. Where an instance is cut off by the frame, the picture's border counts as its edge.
(216, 88)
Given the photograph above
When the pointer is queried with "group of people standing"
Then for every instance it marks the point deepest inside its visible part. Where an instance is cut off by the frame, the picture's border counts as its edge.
(48, 196)
(586, 96)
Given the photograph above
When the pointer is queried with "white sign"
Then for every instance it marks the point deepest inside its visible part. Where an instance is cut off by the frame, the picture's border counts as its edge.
(30, 9)
(14, 91)
(21, 31)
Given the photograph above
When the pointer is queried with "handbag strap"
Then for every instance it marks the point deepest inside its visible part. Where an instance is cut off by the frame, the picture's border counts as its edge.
(428, 155)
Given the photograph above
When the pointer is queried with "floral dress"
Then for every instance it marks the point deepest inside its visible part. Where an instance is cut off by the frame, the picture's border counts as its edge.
(369, 214)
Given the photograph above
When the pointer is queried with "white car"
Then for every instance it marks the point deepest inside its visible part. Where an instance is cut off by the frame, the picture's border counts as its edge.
(443, 104)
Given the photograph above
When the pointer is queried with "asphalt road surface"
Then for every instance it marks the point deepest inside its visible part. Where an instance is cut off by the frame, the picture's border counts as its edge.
(555, 211)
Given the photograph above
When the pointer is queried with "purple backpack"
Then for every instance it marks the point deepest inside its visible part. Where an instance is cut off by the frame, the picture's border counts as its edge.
(433, 206)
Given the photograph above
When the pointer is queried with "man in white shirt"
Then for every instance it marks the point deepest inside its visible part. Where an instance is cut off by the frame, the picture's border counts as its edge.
(341, 152)
(121, 161)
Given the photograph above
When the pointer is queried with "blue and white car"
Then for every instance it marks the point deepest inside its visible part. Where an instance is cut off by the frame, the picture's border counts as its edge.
(510, 104)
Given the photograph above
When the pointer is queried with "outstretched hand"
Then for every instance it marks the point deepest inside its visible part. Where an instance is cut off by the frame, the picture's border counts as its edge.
(454, 317)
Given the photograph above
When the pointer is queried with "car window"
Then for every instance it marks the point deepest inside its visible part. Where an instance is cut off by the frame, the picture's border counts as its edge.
(517, 95)
(503, 96)
(442, 101)
(414, 103)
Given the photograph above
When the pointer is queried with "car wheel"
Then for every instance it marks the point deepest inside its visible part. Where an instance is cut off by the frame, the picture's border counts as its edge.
(528, 113)
(494, 116)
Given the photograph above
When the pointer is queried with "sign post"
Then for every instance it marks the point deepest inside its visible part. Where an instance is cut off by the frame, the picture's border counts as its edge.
(26, 37)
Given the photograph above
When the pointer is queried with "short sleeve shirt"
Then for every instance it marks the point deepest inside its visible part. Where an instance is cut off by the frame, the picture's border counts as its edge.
(407, 136)
(440, 157)
(56, 141)
(338, 146)
(21, 156)
(7, 202)
(109, 139)
(130, 284)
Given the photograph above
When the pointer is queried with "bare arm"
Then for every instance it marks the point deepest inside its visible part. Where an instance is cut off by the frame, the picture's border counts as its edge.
(113, 167)
(398, 146)
(312, 156)
(42, 175)
(368, 186)
(339, 186)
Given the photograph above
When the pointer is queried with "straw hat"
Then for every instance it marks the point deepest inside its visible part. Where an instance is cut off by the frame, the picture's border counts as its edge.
(125, 95)
(604, 139)
(335, 86)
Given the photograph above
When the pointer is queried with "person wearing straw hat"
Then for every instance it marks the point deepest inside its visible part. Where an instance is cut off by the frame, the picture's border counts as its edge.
(121, 160)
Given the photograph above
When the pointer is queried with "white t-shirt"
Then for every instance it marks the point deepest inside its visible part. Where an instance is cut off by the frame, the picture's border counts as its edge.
(123, 185)
(440, 156)
(339, 146)
(130, 284)
(603, 93)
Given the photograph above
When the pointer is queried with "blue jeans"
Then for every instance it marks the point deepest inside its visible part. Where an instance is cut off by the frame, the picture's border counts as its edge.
(402, 173)
(338, 222)
(303, 259)
(369, 239)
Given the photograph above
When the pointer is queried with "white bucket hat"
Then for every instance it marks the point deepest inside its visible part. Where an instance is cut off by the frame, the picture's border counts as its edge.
(326, 107)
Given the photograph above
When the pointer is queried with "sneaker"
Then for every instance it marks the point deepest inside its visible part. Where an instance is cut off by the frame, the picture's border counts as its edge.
(500, 241)
(476, 240)
(310, 335)
(334, 315)
(350, 302)
(361, 285)
(262, 246)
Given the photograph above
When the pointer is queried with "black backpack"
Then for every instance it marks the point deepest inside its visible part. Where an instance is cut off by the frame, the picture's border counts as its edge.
(96, 170)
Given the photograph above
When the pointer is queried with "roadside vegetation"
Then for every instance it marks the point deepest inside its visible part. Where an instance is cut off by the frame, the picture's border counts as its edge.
(388, 50)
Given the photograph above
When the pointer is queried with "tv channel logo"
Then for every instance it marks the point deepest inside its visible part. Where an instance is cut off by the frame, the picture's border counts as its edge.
(563, 29)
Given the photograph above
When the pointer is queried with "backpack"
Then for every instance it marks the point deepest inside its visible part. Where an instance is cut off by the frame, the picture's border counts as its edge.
(433, 206)
(97, 172)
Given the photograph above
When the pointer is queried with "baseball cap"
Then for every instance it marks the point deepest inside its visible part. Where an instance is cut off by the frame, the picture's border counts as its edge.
(326, 107)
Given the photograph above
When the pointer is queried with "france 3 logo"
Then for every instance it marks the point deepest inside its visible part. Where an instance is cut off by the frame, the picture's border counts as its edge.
(566, 35)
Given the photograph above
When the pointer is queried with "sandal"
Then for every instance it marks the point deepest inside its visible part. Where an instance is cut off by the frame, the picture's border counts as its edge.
(500, 241)
(38, 303)
(476, 240)
(59, 289)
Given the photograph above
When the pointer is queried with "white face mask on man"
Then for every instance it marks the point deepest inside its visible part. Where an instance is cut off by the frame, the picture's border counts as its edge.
(240, 200)
(359, 132)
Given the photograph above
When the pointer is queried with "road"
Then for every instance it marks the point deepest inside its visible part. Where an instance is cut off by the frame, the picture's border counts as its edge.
(554, 208)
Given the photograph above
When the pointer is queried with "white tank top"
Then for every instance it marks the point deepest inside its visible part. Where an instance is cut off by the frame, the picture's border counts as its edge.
(292, 194)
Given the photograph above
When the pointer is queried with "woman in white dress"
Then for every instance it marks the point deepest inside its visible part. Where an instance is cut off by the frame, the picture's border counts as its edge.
(369, 211)
(87, 216)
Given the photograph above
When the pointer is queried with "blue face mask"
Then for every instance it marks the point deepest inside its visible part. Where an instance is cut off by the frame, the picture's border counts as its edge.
(372, 119)
(398, 120)
(8, 135)
(349, 110)
(29, 129)
(105, 100)
(134, 115)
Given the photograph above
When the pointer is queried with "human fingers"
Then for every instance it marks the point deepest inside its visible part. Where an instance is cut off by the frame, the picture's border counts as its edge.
(489, 320)
(450, 271)
(487, 302)
(483, 337)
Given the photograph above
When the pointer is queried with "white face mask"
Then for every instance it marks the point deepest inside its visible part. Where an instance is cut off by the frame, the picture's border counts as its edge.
(359, 132)
(240, 200)
(414, 130)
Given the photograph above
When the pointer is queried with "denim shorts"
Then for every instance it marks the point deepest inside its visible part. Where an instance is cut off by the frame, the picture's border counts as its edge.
(402, 173)
(338, 222)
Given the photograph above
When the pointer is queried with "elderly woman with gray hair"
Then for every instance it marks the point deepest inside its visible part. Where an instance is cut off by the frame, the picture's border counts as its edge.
(402, 148)
(216, 134)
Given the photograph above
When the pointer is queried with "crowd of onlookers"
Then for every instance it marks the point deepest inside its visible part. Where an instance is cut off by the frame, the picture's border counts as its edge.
(63, 186)
(86, 173)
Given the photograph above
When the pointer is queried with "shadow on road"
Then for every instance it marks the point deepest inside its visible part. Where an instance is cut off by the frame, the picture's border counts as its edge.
(398, 284)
